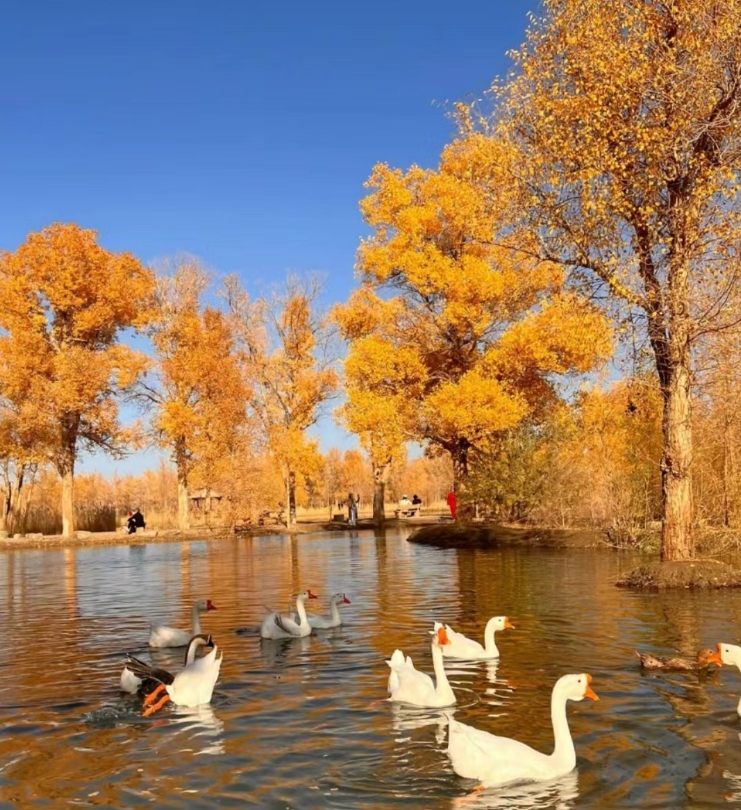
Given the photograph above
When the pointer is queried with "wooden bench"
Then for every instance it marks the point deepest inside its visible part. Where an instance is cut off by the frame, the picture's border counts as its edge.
(413, 511)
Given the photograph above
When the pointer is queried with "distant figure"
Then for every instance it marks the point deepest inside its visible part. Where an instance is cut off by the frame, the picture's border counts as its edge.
(416, 500)
(404, 503)
(135, 521)
(452, 504)
(352, 510)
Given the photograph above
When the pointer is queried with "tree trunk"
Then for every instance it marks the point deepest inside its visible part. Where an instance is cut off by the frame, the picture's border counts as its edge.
(459, 453)
(68, 501)
(181, 462)
(380, 477)
(291, 493)
(677, 542)
(673, 360)
(726, 470)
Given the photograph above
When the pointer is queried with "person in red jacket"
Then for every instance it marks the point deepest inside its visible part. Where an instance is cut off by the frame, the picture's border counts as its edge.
(452, 505)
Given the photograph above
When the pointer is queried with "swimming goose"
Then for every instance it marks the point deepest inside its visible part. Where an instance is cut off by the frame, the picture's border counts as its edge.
(162, 636)
(149, 677)
(192, 686)
(702, 661)
(462, 647)
(334, 620)
(278, 625)
(408, 685)
(493, 760)
(728, 654)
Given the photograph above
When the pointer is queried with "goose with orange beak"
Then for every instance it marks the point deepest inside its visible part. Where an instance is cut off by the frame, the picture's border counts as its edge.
(278, 625)
(493, 760)
(728, 654)
(408, 685)
(463, 647)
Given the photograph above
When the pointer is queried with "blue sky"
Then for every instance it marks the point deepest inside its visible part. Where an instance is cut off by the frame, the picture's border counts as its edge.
(238, 131)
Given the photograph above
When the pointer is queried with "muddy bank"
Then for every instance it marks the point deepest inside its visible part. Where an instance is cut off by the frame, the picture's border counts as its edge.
(493, 536)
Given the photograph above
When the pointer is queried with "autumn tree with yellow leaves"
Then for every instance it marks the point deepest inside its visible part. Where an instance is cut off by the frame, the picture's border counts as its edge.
(196, 390)
(464, 338)
(381, 391)
(620, 145)
(66, 301)
(287, 354)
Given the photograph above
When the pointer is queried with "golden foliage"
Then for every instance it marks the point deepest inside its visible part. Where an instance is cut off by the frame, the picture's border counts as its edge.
(65, 302)
(455, 337)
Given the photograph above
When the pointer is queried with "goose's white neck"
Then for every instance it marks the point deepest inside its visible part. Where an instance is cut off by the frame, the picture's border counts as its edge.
(195, 620)
(301, 610)
(334, 611)
(489, 643)
(443, 691)
(564, 754)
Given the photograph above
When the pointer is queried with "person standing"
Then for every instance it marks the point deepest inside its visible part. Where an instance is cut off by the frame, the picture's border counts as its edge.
(452, 504)
(352, 509)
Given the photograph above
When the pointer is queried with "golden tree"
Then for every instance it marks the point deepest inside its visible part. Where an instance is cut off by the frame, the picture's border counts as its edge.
(65, 302)
(381, 390)
(197, 390)
(620, 142)
(468, 336)
(287, 354)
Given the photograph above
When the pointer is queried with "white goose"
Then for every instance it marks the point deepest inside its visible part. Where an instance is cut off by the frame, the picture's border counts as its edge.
(463, 647)
(408, 685)
(496, 760)
(162, 636)
(149, 676)
(729, 654)
(334, 620)
(278, 625)
(192, 686)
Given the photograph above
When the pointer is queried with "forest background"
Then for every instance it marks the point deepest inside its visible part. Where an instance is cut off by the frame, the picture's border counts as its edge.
(551, 314)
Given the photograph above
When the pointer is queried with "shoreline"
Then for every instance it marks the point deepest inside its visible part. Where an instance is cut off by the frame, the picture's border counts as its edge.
(427, 530)
(85, 539)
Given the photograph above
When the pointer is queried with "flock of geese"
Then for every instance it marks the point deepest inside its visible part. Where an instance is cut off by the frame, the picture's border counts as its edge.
(474, 754)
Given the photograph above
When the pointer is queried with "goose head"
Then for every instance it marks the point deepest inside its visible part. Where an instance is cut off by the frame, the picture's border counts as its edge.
(340, 599)
(440, 636)
(205, 605)
(500, 623)
(726, 654)
(575, 687)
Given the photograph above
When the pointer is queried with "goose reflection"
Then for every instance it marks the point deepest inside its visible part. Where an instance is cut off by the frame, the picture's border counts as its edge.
(407, 718)
(279, 650)
(560, 793)
(203, 729)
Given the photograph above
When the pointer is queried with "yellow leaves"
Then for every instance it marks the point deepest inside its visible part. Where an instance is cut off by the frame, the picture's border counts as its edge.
(459, 325)
(66, 301)
(474, 406)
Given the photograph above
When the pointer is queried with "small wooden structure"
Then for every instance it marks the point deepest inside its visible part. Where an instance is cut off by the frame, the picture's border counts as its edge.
(206, 508)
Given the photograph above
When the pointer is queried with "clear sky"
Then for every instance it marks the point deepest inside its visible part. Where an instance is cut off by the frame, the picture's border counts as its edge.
(237, 130)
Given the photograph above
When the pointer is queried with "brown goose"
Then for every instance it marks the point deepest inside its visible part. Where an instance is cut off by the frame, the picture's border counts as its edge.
(703, 660)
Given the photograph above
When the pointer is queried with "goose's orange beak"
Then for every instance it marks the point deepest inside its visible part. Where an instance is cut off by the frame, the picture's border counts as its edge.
(312, 595)
(589, 692)
(508, 624)
(345, 600)
(442, 636)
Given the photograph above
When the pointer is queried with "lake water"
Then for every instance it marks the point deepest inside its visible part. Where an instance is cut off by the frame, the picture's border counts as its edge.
(303, 723)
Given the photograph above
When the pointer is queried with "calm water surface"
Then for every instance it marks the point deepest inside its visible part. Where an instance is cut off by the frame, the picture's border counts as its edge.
(302, 723)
